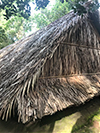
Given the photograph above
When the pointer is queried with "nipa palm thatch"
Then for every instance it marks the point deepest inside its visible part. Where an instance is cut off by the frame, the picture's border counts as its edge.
(52, 69)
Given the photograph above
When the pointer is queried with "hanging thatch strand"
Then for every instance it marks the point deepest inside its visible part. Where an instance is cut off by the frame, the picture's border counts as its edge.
(68, 51)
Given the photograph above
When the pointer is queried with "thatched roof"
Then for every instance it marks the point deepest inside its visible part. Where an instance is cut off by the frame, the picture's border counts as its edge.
(52, 69)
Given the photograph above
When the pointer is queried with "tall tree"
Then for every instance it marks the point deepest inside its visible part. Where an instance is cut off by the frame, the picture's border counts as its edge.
(16, 27)
(20, 8)
(46, 16)
(12, 30)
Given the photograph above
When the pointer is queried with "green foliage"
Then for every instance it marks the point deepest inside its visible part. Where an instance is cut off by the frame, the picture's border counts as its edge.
(16, 8)
(16, 27)
(46, 16)
(20, 8)
(11, 30)
(41, 3)
(3, 38)
(78, 6)
(61, 7)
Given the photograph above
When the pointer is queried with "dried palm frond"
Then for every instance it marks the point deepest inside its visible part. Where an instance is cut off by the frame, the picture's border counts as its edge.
(52, 69)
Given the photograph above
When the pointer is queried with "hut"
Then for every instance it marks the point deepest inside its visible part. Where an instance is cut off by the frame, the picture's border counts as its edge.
(52, 69)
